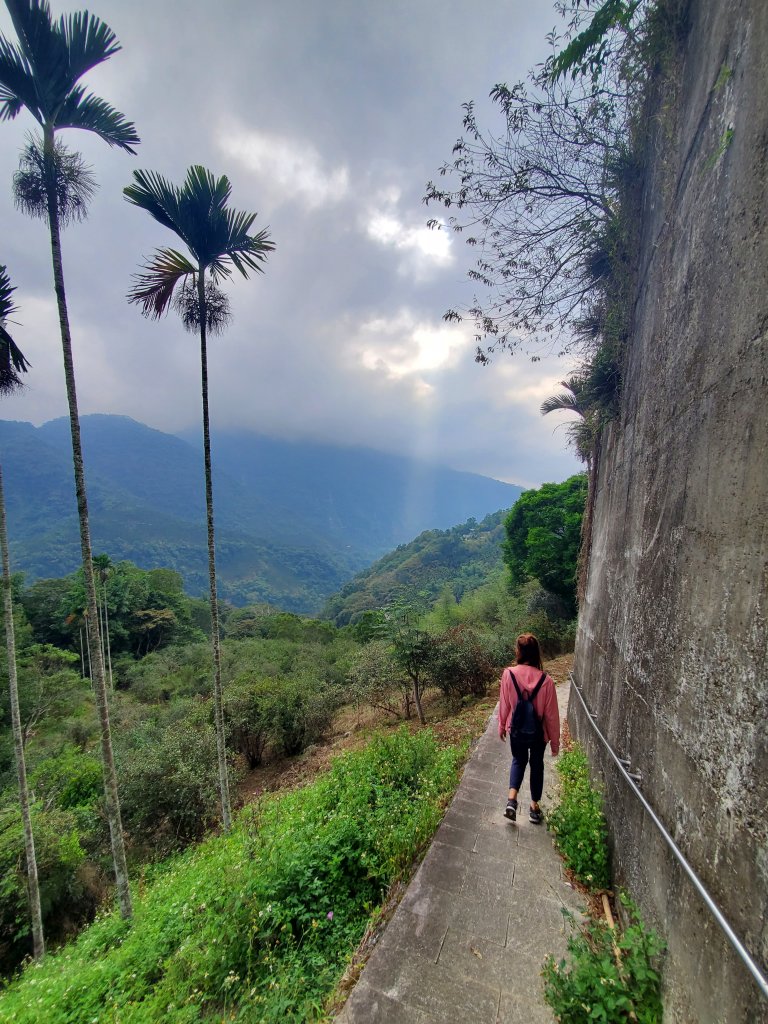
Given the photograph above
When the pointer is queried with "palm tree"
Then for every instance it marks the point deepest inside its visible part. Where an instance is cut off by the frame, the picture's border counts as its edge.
(218, 240)
(12, 362)
(576, 398)
(41, 73)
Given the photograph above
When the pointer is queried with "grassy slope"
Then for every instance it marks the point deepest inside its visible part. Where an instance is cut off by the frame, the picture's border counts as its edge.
(258, 924)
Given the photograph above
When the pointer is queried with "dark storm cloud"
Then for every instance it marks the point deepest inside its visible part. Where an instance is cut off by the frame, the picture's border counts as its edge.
(329, 117)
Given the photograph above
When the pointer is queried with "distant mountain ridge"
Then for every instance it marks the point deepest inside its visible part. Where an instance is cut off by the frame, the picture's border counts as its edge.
(295, 520)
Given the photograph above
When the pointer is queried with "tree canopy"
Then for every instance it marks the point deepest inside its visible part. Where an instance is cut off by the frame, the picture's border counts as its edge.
(536, 197)
(543, 537)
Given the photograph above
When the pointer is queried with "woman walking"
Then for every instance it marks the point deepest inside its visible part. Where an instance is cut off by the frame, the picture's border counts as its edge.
(528, 712)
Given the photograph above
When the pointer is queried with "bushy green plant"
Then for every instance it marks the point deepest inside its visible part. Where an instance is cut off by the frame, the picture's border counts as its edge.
(257, 924)
(247, 710)
(167, 674)
(69, 779)
(64, 890)
(373, 677)
(578, 822)
(610, 977)
(168, 780)
(461, 664)
(300, 709)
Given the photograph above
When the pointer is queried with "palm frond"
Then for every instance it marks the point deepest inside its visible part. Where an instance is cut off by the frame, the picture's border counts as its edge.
(42, 73)
(203, 192)
(564, 401)
(7, 305)
(156, 283)
(93, 114)
(197, 212)
(250, 252)
(158, 196)
(215, 233)
(12, 360)
(17, 85)
(220, 269)
(202, 208)
(44, 51)
(88, 40)
(573, 399)
(34, 27)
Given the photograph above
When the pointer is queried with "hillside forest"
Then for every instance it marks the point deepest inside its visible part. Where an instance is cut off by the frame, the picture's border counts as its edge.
(428, 631)
(295, 520)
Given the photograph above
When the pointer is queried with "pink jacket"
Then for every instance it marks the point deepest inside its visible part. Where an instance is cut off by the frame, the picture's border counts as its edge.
(545, 702)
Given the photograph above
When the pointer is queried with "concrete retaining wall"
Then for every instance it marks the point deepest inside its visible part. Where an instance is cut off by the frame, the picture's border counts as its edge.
(672, 650)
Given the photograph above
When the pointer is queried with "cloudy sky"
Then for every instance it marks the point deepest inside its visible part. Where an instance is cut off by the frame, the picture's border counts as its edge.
(329, 116)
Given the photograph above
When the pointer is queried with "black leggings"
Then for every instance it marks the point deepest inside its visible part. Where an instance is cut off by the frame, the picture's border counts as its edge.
(520, 756)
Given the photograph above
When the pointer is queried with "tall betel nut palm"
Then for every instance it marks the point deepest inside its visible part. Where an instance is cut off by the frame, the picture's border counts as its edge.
(41, 73)
(12, 363)
(218, 240)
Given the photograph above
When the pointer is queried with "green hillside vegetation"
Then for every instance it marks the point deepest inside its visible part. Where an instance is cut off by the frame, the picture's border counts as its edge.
(460, 574)
(288, 684)
(459, 560)
(285, 679)
(257, 924)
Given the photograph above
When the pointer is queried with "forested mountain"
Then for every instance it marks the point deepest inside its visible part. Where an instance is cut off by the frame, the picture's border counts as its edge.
(461, 558)
(295, 519)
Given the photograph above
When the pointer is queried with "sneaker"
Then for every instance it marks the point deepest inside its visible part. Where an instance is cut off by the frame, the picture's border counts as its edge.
(535, 815)
(511, 810)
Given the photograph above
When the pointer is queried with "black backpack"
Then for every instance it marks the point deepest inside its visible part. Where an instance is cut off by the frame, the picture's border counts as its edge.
(526, 725)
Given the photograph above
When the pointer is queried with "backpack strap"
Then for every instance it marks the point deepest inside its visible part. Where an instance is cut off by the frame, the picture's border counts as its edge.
(538, 686)
(514, 683)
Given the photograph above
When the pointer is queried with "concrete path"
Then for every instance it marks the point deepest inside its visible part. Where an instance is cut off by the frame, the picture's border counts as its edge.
(467, 942)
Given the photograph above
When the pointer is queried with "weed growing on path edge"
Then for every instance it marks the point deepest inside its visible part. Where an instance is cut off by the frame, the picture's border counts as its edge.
(578, 823)
(610, 977)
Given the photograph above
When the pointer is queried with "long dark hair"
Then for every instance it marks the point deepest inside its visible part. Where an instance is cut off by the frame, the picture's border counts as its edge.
(528, 652)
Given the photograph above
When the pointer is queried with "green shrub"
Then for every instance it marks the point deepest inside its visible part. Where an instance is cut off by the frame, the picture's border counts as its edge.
(65, 895)
(247, 712)
(168, 780)
(300, 709)
(167, 674)
(461, 664)
(578, 822)
(610, 977)
(69, 779)
(258, 924)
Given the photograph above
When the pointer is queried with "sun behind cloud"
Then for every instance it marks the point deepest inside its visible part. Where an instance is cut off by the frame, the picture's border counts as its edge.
(289, 169)
(422, 251)
(403, 346)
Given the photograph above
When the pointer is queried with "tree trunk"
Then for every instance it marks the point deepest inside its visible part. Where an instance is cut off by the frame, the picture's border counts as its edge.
(88, 646)
(417, 700)
(106, 632)
(111, 798)
(218, 701)
(38, 942)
